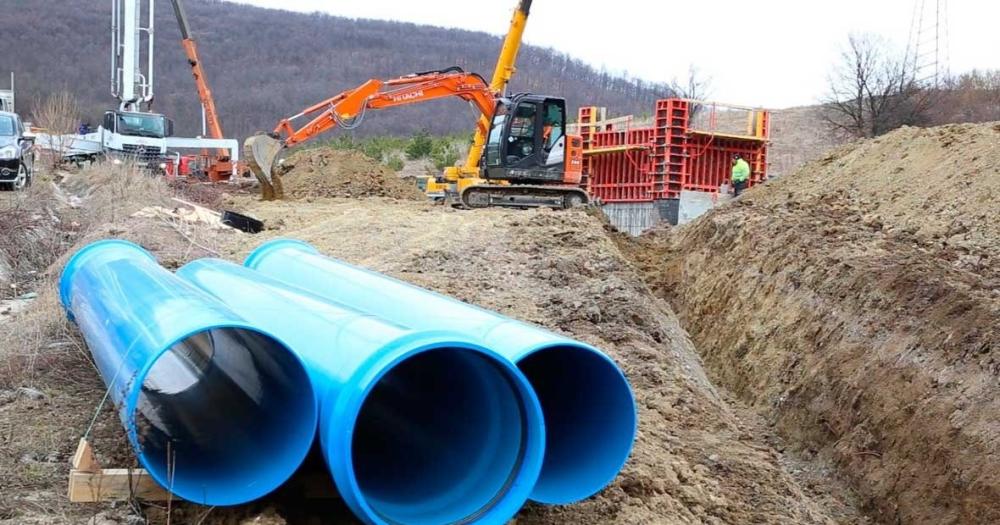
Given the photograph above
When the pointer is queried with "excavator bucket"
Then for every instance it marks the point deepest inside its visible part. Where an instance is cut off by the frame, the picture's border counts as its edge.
(261, 151)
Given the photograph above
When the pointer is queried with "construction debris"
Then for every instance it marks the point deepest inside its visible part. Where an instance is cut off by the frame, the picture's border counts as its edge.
(183, 214)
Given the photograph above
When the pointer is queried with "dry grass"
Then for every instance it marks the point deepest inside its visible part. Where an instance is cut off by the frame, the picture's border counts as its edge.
(42, 351)
(34, 236)
(111, 193)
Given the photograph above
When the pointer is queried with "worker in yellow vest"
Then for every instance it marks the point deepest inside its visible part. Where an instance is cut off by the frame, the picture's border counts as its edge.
(741, 174)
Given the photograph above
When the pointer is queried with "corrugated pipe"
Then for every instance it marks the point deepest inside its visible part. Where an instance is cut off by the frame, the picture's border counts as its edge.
(590, 413)
(417, 427)
(218, 411)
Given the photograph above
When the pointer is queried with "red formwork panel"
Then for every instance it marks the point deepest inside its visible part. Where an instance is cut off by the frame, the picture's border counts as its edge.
(659, 161)
(670, 147)
(620, 176)
(711, 161)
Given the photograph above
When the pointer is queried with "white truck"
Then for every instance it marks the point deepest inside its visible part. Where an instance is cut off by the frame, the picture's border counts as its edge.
(133, 136)
(127, 136)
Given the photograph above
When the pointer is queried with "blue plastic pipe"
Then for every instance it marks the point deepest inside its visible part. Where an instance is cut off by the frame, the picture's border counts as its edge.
(590, 414)
(416, 427)
(218, 411)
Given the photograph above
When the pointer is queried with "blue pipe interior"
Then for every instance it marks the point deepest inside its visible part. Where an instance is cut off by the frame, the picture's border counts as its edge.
(589, 420)
(219, 408)
(218, 411)
(439, 438)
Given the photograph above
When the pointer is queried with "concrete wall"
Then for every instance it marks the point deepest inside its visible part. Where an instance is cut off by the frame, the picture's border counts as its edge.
(632, 218)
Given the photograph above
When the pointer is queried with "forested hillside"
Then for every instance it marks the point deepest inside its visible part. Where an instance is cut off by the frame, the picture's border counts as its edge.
(267, 64)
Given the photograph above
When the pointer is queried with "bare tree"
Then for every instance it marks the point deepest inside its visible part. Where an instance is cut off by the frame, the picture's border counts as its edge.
(873, 92)
(695, 86)
(58, 116)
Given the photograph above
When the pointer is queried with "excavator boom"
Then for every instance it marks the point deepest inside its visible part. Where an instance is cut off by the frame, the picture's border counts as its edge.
(347, 110)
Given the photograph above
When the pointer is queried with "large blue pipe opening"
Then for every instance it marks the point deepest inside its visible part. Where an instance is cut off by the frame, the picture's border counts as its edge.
(417, 427)
(590, 413)
(218, 411)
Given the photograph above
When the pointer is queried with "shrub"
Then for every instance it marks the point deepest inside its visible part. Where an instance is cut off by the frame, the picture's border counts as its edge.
(420, 146)
(444, 154)
(394, 162)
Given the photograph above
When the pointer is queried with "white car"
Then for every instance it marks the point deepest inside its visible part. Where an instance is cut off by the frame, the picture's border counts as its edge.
(17, 157)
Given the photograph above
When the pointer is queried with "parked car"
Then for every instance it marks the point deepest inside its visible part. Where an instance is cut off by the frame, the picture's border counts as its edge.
(17, 156)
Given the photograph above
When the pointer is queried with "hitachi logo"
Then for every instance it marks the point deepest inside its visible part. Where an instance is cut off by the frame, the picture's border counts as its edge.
(408, 96)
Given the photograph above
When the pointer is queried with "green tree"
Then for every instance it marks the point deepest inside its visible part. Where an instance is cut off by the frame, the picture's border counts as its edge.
(444, 153)
(420, 146)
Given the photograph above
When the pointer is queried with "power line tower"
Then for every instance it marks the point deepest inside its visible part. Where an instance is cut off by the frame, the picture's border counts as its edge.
(927, 53)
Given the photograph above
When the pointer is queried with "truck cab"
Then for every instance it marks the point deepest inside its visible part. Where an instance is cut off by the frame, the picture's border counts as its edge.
(137, 136)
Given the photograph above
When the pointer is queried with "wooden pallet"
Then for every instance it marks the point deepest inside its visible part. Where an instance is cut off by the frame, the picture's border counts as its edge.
(90, 483)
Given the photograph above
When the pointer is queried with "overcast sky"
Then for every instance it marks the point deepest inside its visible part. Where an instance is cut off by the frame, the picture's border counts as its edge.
(774, 53)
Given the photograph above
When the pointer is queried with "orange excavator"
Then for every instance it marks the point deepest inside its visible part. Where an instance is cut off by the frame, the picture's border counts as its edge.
(218, 165)
(521, 156)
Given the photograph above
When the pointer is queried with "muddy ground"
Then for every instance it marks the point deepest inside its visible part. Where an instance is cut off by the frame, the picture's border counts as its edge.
(701, 457)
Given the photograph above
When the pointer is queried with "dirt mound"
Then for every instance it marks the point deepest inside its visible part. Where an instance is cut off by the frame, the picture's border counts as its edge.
(326, 172)
(941, 185)
(857, 303)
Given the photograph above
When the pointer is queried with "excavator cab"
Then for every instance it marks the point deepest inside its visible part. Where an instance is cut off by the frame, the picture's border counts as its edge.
(527, 141)
(529, 159)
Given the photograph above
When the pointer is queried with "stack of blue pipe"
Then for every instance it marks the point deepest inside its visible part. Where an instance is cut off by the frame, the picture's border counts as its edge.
(428, 410)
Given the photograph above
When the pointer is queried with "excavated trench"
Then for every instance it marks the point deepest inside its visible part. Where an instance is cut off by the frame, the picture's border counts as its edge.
(861, 315)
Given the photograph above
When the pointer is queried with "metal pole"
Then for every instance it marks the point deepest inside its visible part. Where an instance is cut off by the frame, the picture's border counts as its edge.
(115, 7)
(130, 54)
(150, 32)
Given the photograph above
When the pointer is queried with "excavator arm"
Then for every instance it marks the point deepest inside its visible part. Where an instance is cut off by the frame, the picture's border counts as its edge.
(347, 110)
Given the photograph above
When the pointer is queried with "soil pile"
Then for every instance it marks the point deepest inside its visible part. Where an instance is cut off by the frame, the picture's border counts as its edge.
(857, 303)
(326, 172)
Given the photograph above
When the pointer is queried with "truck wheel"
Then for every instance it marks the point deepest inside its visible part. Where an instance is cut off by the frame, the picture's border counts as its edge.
(22, 180)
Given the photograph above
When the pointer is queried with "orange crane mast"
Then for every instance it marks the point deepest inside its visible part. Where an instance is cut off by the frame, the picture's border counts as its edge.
(219, 166)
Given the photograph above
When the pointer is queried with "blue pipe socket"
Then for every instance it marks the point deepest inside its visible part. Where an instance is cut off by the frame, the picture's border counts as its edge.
(589, 410)
(417, 427)
(218, 411)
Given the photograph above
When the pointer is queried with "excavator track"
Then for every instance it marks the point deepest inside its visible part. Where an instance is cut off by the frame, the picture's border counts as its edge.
(516, 196)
